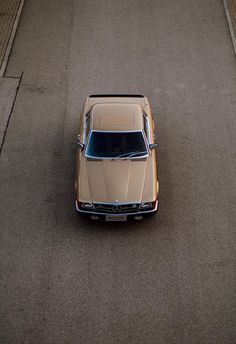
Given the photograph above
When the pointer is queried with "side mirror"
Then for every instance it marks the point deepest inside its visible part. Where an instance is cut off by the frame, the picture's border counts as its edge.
(79, 144)
(153, 145)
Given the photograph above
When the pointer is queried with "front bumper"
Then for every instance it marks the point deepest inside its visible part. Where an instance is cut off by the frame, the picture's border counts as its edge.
(130, 215)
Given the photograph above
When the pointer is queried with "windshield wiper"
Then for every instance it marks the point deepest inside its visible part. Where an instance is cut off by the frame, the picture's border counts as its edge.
(128, 155)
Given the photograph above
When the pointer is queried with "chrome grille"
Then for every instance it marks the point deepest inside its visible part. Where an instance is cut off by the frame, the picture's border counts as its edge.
(116, 208)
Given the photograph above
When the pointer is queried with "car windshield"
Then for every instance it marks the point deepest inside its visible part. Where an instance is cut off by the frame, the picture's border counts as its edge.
(121, 145)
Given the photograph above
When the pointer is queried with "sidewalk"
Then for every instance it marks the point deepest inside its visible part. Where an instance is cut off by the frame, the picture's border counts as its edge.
(230, 9)
(9, 15)
(10, 11)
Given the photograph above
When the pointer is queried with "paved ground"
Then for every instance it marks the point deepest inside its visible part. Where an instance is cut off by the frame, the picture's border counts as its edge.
(168, 279)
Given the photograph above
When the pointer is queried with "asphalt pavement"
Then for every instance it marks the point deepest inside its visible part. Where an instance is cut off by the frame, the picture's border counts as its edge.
(168, 278)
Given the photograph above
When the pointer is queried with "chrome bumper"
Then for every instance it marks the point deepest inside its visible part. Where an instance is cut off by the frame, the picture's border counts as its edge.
(136, 213)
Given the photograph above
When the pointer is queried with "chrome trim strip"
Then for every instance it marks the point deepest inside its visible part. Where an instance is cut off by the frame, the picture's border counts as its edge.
(115, 214)
(106, 158)
(85, 124)
(116, 131)
(117, 203)
(116, 95)
(146, 118)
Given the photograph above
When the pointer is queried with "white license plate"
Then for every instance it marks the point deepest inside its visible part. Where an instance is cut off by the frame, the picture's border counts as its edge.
(116, 218)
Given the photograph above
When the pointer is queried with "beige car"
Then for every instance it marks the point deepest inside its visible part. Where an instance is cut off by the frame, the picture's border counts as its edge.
(116, 172)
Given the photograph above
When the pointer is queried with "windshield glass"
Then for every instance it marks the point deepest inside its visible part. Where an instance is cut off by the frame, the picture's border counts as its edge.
(116, 144)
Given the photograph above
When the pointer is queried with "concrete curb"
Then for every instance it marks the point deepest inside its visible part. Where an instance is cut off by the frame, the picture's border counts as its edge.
(231, 29)
(11, 39)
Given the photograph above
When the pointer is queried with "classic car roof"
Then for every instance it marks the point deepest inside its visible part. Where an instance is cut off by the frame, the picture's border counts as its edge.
(116, 116)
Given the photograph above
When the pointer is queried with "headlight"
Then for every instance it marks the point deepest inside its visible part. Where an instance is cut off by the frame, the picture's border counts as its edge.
(85, 205)
(146, 205)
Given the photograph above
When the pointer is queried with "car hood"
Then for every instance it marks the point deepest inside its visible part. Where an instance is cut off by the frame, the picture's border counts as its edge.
(116, 180)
